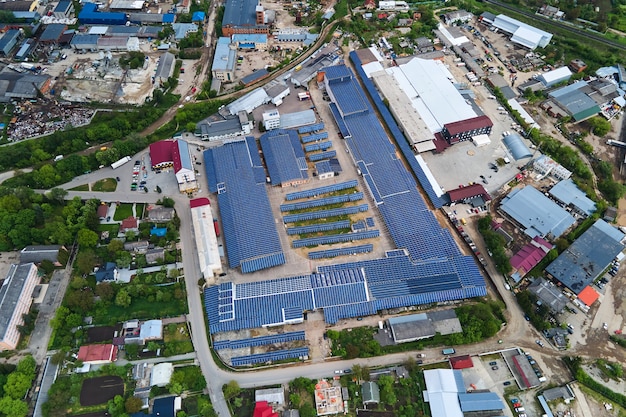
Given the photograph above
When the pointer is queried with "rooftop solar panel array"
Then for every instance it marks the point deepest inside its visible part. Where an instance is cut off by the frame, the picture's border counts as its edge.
(330, 239)
(401, 141)
(249, 230)
(284, 156)
(332, 253)
(315, 137)
(322, 155)
(319, 146)
(323, 214)
(322, 227)
(356, 196)
(255, 159)
(270, 356)
(259, 341)
(343, 128)
(311, 128)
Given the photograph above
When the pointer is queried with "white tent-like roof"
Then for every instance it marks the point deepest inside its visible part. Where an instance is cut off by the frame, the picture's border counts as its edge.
(249, 102)
(442, 386)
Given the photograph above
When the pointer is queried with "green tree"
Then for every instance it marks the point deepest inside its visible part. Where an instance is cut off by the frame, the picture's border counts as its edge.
(87, 238)
(122, 298)
(86, 260)
(105, 291)
(133, 405)
(231, 390)
(123, 259)
(13, 407)
(17, 385)
(115, 246)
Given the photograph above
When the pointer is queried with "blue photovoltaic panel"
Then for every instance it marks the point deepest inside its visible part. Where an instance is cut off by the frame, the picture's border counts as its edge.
(249, 230)
(323, 214)
(343, 128)
(322, 155)
(282, 152)
(318, 146)
(259, 341)
(330, 239)
(356, 196)
(369, 221)
(332, 253)
(311, 128)
(293, 313)
(322, 227)
(255, 158)
(270, 356)
(314, 137)
(314, 192)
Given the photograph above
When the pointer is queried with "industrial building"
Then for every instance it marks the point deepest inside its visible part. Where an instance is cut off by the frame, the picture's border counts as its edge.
(206, 238)
(16, 297)
(547, 166)
(244, 16)
(521, 33)
(447, 396)
(164, 69)
(457, 16)
(17, 86)
(516, 147)
(549, 294)
(428, 267)
(424, 325)
(474, 195)
(572, 100)
(467, 129)
(89, 15)
(224, 60)
(536, 213)
(9, 41)
(175, 154)
(555, 76)
(573, 197)
(284, 157)
(64, 9)
(247, 41)
(585, 259)
(235, 172)
(216, 128)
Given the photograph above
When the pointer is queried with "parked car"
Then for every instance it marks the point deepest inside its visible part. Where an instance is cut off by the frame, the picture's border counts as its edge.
(494, 368)
(539, 342)
(493, 363)
(506, 383)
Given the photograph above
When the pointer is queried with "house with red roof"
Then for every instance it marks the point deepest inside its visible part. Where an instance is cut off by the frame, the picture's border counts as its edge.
(161, 154)
(102, 211)
(369, 4)
(465, 129)
(461, 362)
(129, 224)
(529, 256)
(588, 296)
(263, 409)
(97, 354)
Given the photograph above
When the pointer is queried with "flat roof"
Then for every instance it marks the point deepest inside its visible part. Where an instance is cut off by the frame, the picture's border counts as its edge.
(539, 215)
(11, 292)
(586, 258)
(206, 238)
(549, 294)
(240, 13)
(126, 5)
(297, 119)
(428, 85)
(224, 57)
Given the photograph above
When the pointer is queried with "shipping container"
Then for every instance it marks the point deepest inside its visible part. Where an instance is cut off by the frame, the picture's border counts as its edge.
(217, 227)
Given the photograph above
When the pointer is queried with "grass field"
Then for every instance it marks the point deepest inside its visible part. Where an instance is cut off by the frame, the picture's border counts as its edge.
(175, 333)
(123, 211)
(112, 228)
(106, 185)
(84, 187)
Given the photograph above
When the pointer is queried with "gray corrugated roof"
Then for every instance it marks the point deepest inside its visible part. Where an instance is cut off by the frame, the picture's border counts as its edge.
(10, 293)
(480, 401)
(567, 192)
(165, 65)
(240, 13)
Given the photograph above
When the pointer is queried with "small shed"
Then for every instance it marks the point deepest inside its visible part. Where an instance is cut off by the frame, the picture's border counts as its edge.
(370, 393)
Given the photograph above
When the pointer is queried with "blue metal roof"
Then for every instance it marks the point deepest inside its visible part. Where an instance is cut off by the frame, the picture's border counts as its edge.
(581, 263)
(516, 146)
(567, 192)
(169, 17)
(284, 156)
(224, 57)
(480, 401)
(198, 16)
(89, 14)
(240, 13)
(185, 156)
(182, 29)
(249, 231)
(84, 39)
(249, 37)
(536, 212)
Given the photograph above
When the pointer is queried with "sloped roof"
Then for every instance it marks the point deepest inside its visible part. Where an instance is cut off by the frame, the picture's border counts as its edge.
(516, 146)
(588, 296)
(128, 223)
(567, 192)
(370, 392)
(97, 353)
(181, 156)
(473, 123)
(480, 401)
(161, 152)
(461, 362)
(263, 409)
(151, 329)
(530, 255)
(469, 191)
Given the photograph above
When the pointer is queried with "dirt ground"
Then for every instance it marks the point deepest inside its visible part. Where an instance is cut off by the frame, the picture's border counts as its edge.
(101, 334)
(100, 390)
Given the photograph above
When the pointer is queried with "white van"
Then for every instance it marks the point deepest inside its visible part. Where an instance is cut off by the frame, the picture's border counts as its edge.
(520, 409)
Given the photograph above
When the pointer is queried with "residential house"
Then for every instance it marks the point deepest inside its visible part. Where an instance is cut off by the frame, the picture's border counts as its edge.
(129, 224)
(98, 354)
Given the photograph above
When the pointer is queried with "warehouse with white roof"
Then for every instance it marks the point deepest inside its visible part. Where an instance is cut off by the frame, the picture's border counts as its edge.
(206, 238)
(555, 76)
(521, 33)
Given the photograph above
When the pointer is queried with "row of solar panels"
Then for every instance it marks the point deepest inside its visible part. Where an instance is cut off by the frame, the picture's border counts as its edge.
(311, 128)
(301, 205)
(315, 137)
(321, 227)
(259, 341)
(322, 155)
(332, 253)
(323, 214)
(298, 353)
(314, 192)
(338, 238)
(319, 146)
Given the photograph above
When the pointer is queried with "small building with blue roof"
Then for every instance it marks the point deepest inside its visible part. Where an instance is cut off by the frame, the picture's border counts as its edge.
(223, 67)
(198, 16)
(250, 41)
(285, 159)
(569, 194)
(89, 15)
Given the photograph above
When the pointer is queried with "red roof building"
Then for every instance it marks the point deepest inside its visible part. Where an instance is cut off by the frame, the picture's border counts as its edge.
(530, 255)
(464, 130)
(161, 154)
(588, 296)
(102, 211)
(97, 354)
(263, 409)
(129, 223)
(465, 194)
(199, 202)
(370, 4)
(461, 362)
